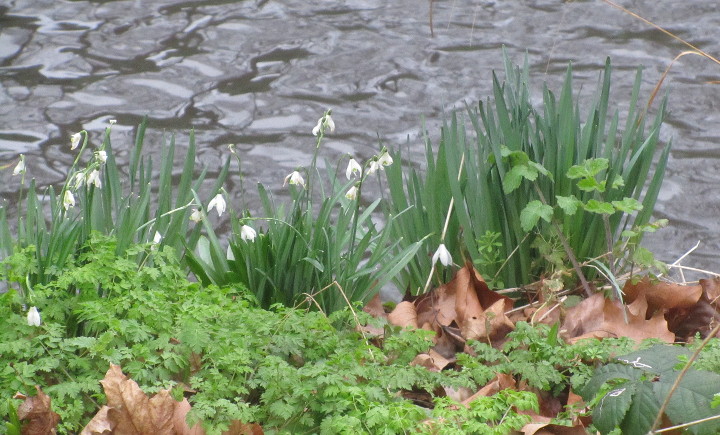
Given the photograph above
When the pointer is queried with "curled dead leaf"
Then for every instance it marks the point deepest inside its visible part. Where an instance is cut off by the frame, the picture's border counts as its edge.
(662, 294)
(37, 415)
(404, 315)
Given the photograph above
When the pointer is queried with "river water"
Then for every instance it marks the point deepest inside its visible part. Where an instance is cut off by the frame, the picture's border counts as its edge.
(259, 74)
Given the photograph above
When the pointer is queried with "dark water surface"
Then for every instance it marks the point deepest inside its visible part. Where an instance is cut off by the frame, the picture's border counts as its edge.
(259, 74)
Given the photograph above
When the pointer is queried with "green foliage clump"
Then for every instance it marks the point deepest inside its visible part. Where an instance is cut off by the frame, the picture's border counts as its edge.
(532, 176)
(628, 394)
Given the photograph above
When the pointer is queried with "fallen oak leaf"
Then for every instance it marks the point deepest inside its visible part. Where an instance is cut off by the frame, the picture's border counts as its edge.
(489, 326)
(404, 315)
(37, 411)
(663, 294)
(501, 382)
(597, 317)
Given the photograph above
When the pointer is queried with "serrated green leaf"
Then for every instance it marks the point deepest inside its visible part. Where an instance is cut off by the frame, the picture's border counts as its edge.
(628, 205)
(569, 204)
(657, 359)
(618, 182)
(610, 411)
(532, 212)
(595, 206)
(590, 185)
(514, 177)
(691, 400)
(606, 373)
(643, 409)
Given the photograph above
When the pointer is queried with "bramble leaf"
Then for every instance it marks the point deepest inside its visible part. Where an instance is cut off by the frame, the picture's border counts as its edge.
(595, 206)
(569, 204)
(532, 212)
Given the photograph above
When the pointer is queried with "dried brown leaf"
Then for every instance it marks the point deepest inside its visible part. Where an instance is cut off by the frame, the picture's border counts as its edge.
(663, 294)
(598, 317)
(501, 382)
(489, 325)
(100, 424)
(375, 307)
(431, 360)
(41, 420)
(180, 424)
(404, 315)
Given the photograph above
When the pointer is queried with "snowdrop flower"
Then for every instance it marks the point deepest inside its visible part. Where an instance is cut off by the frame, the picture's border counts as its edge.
(385, 159)
(112, 121)
(352, 193)
(353, 167)
(295, 178)
(443, 255)
(94, 178)
(101, 155)
(75, 141)
(78, 180)
(20, 168)
(157, 238)
(229, 254)
(196, 216)
(217, 202)
(33, 317)
(325, 122)
(247, 233)
(68, 200)
(373, 168)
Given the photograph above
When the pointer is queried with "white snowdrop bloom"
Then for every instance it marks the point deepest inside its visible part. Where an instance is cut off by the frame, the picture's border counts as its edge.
(94, 178)
(157, 238)
(443, 255)
(101, 155)
(68, 200)
(352, 193)
(195, 216)
(353, 167)
(33, 317)
(295, 178)
(385, 159)
(247, 233)
(219, 203)
(325, 122)
(112, 121)
(20, 168)
(75, 140)
(373, 167)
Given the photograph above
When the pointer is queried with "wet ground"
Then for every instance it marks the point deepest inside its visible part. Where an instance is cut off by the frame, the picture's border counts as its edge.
(259, 73)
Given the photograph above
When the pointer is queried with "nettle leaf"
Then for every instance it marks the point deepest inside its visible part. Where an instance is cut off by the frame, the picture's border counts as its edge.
(691, 400)
(514, 177)
(607, 373)
(628, 205)
(590, 184)
(610, 411)
(589, 168)
(618, 182)
(595, 206)
(532, 212)
(569, 204)
(642, 412)
(657, 359)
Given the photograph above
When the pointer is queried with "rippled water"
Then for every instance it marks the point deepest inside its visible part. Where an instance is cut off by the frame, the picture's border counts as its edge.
(260, 73)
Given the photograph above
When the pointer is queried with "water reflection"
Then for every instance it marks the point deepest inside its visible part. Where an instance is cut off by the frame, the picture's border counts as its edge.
(259, 73)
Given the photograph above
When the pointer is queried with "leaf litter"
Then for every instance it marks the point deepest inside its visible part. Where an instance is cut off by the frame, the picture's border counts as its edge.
(463, 309)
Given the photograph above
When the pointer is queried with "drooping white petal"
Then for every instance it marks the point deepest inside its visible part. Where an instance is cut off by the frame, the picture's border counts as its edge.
(33, 317)
(443, 255)
(373, 167)
(112, 121)
(68, 200)
(157, 238)
(352, 193)
(385, 159)
(75, 140)
(247, 233)
(20, 168)
(353, 167)
(317, 127)
(102, 156)
(196, 216)
(330, 124)
(295, 178)
(94, 178)
(217, 202)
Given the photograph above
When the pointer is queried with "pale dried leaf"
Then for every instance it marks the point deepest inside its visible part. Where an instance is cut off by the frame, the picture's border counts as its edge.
(41, 420)
(179, 422)
(100, 424)
(501, 382)
(663, 294)
(404, 315)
